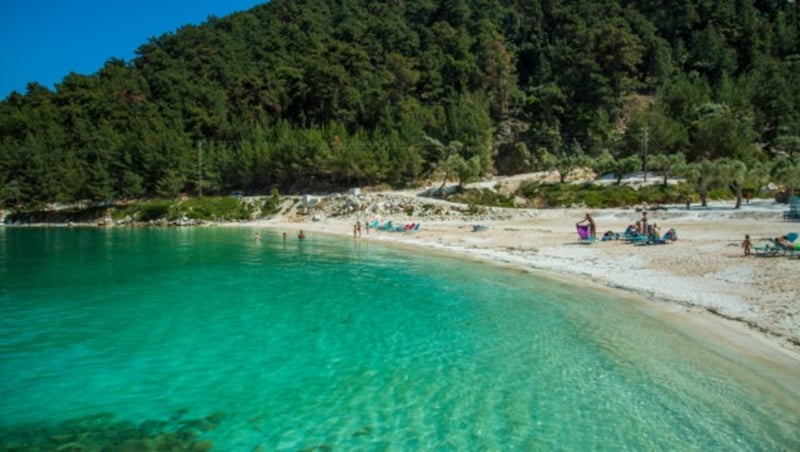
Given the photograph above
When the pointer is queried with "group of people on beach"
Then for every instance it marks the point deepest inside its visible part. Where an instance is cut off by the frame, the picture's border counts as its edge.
(642, 227)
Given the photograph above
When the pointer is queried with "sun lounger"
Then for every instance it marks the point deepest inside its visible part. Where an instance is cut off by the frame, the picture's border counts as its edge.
(669, 236)
(479, 227)
(634, 238)
(788, 246)
(768, 249)
(791, 249)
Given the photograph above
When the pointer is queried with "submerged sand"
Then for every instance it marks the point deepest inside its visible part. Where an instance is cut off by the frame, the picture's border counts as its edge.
(703, 272)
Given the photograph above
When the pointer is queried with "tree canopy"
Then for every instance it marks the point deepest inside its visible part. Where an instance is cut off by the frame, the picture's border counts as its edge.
(333, 93)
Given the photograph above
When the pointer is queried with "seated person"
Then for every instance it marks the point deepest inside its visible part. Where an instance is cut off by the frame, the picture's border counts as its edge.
(784, 241)
(656, 232)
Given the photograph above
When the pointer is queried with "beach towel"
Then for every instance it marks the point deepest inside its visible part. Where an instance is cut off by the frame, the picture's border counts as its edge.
(583, 231)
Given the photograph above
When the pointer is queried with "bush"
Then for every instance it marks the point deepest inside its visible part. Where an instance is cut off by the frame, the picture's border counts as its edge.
(598, 196)
(272, 203)
(719, 193)
(215, 209)
(660, 194)
(483, 197)
(150, 210)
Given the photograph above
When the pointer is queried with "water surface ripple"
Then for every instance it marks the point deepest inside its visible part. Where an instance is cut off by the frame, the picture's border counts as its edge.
(351, 345)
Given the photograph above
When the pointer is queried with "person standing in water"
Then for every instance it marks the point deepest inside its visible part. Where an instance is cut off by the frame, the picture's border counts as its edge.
(301, 235)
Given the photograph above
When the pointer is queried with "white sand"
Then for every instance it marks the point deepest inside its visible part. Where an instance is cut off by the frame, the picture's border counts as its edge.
(703, 272)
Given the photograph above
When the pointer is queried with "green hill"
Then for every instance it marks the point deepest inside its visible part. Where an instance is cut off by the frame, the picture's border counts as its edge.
(322, 94)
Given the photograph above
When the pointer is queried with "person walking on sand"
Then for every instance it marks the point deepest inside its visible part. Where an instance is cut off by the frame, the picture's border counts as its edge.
(746, 245)
(588, 219)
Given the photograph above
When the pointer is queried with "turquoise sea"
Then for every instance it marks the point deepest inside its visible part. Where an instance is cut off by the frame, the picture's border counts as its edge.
(206, 336)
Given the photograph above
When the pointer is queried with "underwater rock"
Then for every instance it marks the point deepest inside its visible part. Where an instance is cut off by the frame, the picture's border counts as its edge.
(151, 427)
(366, 430)
(137, 445)
(101, 432)
(202, 446)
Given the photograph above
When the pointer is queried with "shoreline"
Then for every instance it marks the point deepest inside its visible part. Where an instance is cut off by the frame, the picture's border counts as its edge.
(702, 277)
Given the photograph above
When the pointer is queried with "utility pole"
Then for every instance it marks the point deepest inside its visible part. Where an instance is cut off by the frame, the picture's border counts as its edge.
(645, 137)
(200, 167)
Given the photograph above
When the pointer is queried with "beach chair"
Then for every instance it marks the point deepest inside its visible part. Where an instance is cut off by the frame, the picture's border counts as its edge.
(670, 236)
(767, 249)
(479, 227)
(633, 237)
(585, 234)
(386, 226)
(791, 249)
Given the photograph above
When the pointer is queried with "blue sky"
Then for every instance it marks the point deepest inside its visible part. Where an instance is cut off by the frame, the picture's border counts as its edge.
(44, 40)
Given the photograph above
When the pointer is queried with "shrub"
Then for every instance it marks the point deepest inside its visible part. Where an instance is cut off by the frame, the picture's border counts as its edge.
(483, 197)
(660, 194)
(473, 209)
(151, 210)
(272, 203)
(598, 196)
(215, 208)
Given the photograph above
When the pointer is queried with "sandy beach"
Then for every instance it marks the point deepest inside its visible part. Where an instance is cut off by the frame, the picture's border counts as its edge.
(703, 275)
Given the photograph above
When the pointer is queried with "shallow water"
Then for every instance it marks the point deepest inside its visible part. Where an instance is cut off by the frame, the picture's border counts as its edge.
(351, 345)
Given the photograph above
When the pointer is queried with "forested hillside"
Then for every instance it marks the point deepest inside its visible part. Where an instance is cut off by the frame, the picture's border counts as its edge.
(337, 93)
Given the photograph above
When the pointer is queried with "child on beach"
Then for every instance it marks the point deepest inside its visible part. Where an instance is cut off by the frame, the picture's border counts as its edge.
(746, 245)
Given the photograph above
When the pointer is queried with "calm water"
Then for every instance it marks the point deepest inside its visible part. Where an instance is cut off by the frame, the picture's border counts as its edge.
(351, 345)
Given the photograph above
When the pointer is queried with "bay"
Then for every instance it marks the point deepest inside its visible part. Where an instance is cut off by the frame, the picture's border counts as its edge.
(331, 342)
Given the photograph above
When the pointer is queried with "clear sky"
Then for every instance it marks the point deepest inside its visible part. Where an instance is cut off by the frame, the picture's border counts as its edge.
(44, 40)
